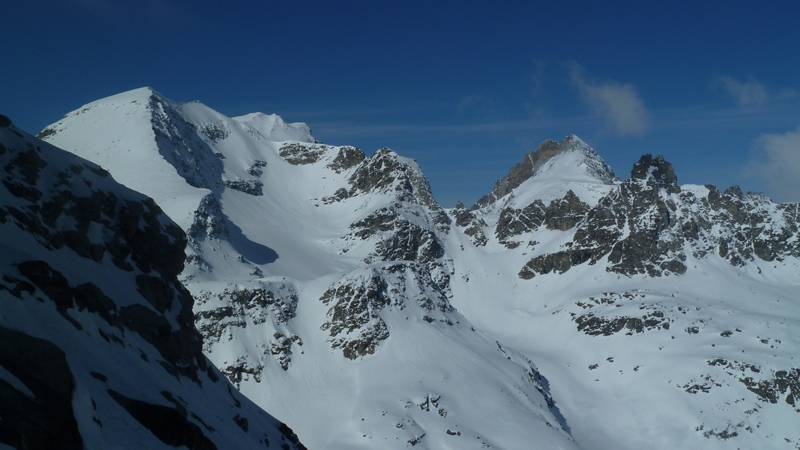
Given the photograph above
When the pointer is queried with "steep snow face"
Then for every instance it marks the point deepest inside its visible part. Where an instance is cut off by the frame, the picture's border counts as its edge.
(272, 127)
(663, 310)
(98, 347)
(658, 315)
(321, 279)
(549, 172)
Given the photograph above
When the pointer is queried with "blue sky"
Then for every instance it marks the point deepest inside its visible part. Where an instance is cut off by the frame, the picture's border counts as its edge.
(466, 88)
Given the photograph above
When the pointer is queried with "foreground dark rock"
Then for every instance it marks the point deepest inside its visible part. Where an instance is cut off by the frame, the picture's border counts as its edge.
(97, 340)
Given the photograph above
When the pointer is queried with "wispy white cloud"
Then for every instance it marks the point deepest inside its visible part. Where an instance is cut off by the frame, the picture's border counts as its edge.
(752, 93)
(777, 163)
(477, 104)
(749, 93)
(619, 104)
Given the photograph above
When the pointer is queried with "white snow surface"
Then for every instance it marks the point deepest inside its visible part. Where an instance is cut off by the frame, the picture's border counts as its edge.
(100, 356)
(476, 352)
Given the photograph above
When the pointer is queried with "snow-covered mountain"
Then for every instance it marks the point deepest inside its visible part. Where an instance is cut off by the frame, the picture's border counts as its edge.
(98, 347)
(321, 278)
(566, 309)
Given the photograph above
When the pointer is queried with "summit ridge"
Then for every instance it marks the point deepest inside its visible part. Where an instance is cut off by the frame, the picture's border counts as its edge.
(564, 306)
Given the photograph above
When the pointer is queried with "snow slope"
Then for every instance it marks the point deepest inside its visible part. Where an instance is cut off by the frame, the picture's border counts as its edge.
(97, 343)
(320, 279)
(667, 313)
(566, 308)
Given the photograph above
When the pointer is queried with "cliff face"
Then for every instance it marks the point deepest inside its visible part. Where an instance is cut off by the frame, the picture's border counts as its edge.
(98, 343)
(326, 277)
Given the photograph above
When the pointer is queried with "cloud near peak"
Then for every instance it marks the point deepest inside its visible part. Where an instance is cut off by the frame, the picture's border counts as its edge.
(619, 104)
(777, 162)
(752, 93)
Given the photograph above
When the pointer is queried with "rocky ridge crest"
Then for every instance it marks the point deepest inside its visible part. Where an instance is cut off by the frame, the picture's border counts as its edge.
(64, 220)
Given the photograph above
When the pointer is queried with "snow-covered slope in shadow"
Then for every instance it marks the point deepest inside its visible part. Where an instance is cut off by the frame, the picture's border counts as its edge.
(98, 348)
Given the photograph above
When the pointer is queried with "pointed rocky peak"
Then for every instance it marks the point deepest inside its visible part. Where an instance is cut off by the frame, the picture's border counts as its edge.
(659, 170)
(387, 172)
(575, 158)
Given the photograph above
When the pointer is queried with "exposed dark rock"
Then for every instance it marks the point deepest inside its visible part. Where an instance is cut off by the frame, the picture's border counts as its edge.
(252, 187)
(290, 436)
(659, 170)
(209, 222)
(347, 158)
(355, 323)
(555, 262)
(473, 226)
(401, 240)
(565, 213)
(93, 222)
(167, 424)
(301, 154)
(215, 132)
(385, 171)
(241, 421)
(653, 243)
(183, 146)
(256, 169)
(355, 309)
(46, 420)
(534, 160)
(240, 306)
(156, 291)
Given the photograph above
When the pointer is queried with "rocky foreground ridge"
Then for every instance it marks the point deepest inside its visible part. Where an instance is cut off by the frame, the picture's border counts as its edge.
(566, 304)
(98, 347)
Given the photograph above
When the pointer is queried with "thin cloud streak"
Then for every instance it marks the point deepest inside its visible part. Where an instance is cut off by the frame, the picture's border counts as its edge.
(752, 93)
(620, 104)
(747, 94)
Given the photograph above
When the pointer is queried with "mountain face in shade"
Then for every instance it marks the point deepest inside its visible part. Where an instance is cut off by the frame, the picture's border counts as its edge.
(567, 307)
(98, 347)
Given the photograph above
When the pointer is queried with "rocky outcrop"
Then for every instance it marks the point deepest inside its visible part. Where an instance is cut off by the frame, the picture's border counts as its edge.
(252, 187)
(182, 144)
(37, 413)
(536, 159)
(347, 158)
(562, 214)
(224, 315)
(96, 331)
(359, 301)
(301, 154)
(472, 225)
(647, 223)
(385, 171)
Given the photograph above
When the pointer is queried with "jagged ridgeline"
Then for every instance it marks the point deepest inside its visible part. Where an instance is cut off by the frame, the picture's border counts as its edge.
(98, 347)
(647, 224)
(327, 276)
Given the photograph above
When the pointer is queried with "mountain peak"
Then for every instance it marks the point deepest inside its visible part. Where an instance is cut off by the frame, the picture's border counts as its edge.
(273, 127)
(582, 160)
(658, 169)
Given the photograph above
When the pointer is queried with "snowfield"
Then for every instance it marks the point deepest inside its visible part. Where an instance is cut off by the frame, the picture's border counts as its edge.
(567, 309)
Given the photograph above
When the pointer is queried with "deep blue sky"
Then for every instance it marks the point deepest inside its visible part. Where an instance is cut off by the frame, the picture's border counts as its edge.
(465, 88)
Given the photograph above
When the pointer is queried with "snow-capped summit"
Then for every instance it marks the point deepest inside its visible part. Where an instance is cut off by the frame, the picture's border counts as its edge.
(548, 172)
(565, 306)
(98, 347)
(324, 272)
(272, 127)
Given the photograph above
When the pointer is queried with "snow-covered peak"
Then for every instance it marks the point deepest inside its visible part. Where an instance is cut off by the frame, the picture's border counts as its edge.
(550, 171)
(273, 127)
(99, 348)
